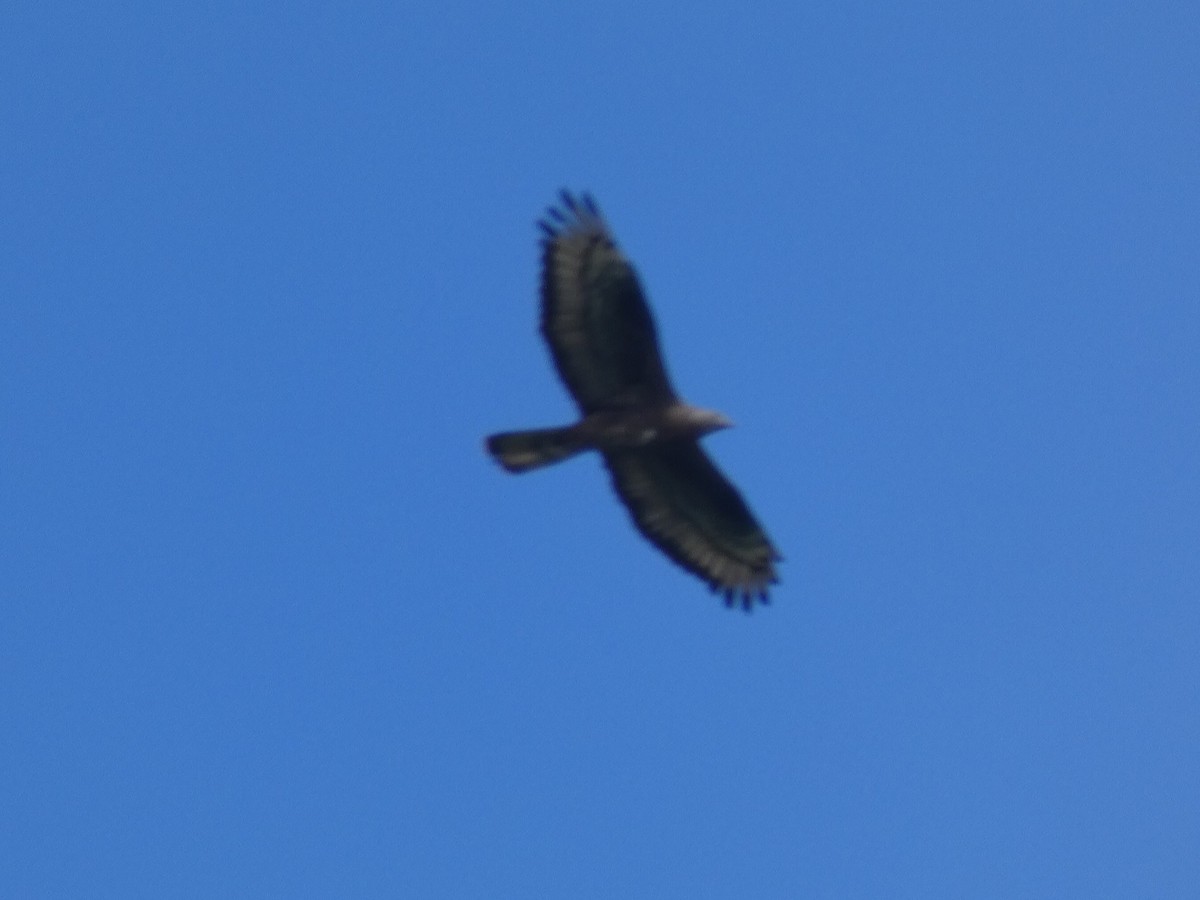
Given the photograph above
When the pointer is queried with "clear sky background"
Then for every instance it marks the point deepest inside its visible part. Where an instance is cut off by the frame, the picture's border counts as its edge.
(272, 625)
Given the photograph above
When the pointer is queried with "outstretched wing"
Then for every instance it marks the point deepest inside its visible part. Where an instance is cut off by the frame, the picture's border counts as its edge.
(594, 316)
(690, 511)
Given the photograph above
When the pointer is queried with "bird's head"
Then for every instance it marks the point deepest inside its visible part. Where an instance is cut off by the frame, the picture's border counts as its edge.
(709, 420)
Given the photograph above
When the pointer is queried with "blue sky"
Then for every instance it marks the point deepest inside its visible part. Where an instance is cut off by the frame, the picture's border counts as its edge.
(272, 625)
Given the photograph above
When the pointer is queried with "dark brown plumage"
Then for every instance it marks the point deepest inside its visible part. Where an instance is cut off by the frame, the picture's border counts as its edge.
(605, 347)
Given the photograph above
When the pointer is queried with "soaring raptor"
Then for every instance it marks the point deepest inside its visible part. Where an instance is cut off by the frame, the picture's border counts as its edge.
(605, 347)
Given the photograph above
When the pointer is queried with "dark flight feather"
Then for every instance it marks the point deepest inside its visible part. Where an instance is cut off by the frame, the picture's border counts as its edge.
(683, 504)
(594, 316)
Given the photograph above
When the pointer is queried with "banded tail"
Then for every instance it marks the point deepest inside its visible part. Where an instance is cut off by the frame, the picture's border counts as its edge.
(520, 451)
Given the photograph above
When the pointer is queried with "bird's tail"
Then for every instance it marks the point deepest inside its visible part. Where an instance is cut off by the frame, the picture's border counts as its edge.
(520, 451)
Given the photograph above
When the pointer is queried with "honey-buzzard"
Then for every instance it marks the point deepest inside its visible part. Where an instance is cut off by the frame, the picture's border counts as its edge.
(605, 347)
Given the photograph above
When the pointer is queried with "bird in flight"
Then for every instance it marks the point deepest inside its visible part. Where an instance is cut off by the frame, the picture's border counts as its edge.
(602, 337)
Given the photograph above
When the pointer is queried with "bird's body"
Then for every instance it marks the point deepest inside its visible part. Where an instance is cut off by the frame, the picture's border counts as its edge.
(606, 431)
(605, 347)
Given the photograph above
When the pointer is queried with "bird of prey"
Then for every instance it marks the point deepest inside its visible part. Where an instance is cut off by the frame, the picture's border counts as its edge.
(605, 347)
